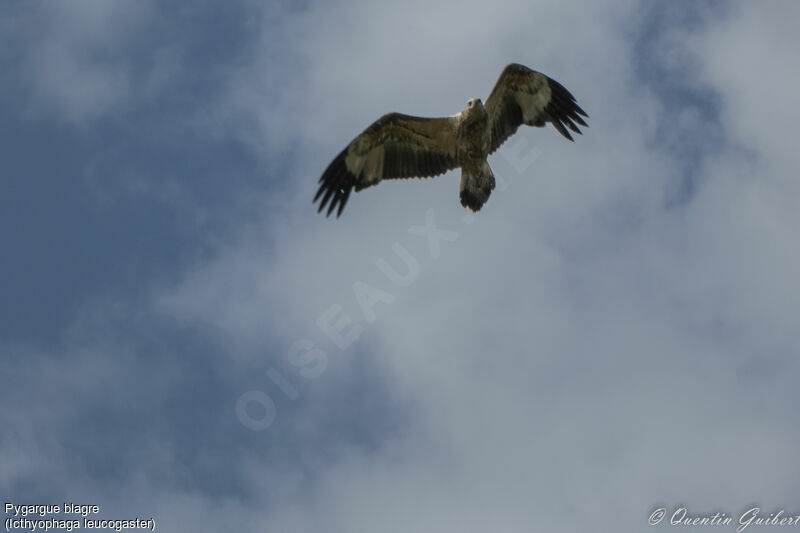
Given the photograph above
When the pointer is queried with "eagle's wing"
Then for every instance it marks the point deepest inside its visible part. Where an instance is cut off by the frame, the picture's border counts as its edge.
(524, 96)
(394, 146)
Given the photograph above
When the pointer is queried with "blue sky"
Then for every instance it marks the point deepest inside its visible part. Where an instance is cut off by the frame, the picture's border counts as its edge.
(615, 331)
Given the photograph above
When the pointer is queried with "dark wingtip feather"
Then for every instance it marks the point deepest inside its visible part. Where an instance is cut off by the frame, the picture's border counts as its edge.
(571, 125)
(343, 201)
(555, 120)
(336, 184)
(579, 120)
(563, 109)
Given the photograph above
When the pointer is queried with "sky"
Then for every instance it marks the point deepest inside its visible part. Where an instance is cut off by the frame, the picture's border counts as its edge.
(184, 338)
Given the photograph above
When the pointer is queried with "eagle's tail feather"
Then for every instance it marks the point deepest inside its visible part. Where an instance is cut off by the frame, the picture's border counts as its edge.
(476, 185)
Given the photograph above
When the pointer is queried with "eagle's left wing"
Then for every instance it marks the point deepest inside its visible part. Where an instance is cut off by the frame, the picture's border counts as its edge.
(394, 146)
(524, 96)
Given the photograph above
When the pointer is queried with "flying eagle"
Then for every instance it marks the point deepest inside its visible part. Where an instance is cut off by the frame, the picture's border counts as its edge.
(404, 146)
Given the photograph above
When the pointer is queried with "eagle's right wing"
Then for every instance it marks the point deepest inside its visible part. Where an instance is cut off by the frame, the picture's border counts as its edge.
(394, 146)
(524, 96)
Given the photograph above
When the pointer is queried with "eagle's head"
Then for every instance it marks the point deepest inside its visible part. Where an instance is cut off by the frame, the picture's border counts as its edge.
(474, 110)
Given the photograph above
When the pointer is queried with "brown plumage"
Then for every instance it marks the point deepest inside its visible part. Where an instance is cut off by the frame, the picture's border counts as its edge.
(404, 146)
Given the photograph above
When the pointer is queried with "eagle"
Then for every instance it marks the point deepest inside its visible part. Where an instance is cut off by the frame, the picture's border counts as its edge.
(404, 146)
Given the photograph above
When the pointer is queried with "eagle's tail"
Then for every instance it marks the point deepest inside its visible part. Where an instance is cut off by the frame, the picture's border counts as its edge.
(477, 183)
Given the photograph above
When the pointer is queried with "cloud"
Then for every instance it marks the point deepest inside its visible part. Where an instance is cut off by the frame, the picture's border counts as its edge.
(90, 60)
(600, 340)
(583, 332)
(77, 67)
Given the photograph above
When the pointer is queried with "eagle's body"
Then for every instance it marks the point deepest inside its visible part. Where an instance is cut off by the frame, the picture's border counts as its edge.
(404, 146)
(473, 144)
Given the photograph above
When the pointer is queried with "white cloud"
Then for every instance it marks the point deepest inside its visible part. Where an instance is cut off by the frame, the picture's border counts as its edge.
(748, 57)
(583, 351)
(78, 65)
